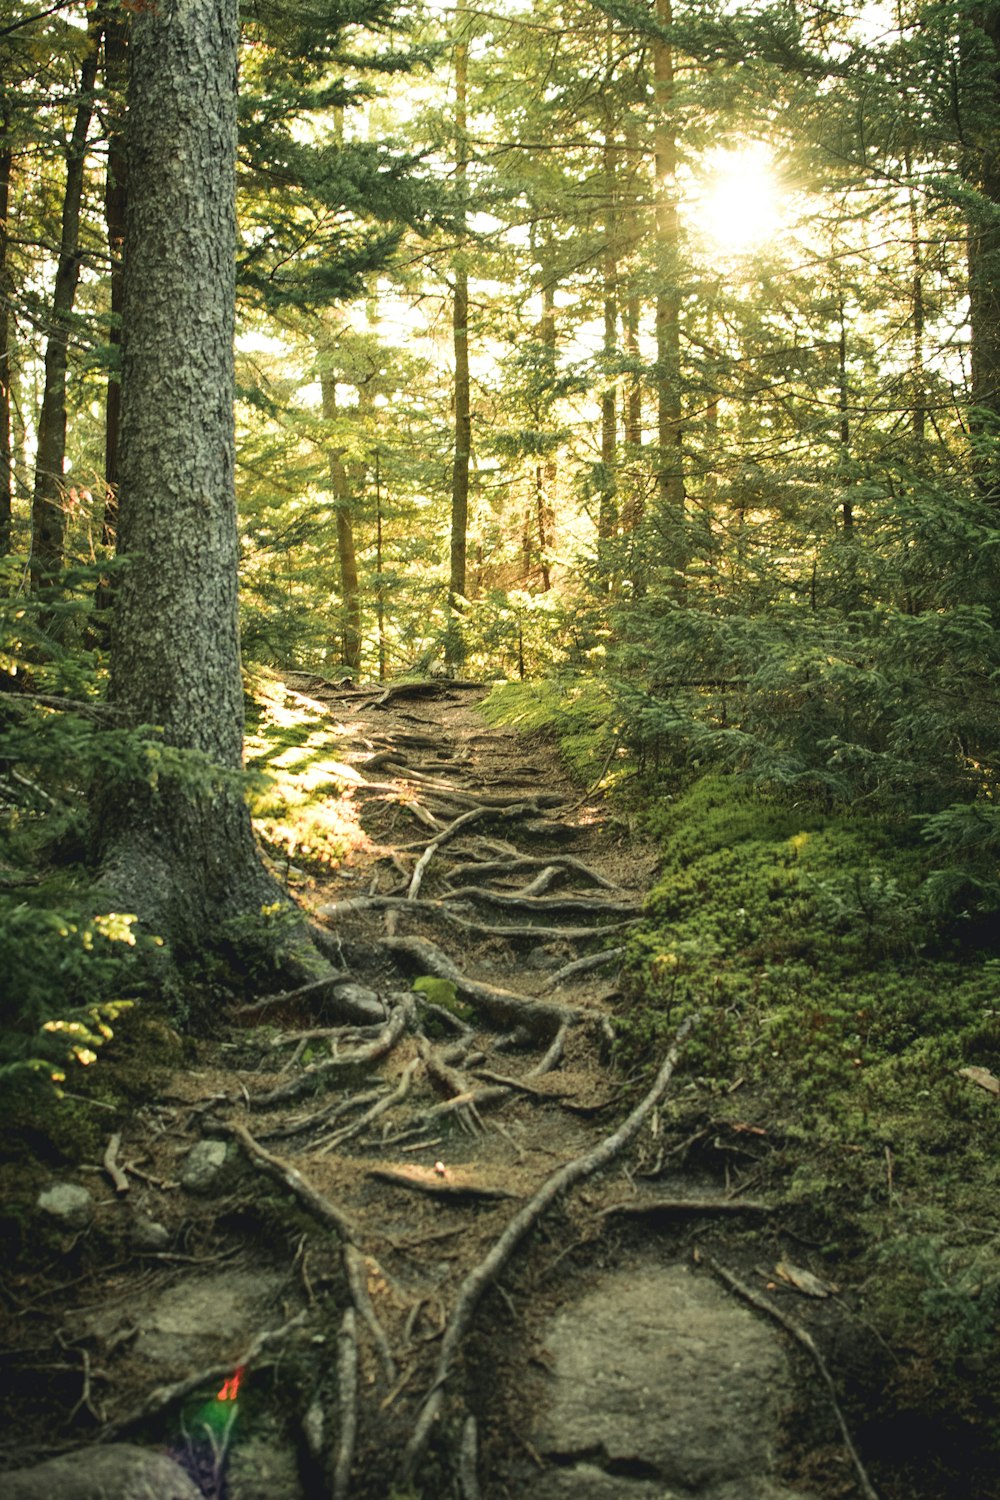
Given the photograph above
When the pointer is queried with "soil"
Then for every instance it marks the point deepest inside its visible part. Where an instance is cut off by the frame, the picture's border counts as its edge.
(324, 1309)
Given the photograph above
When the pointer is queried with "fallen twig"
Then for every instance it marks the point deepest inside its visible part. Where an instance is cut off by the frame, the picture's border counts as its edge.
(420, 1180)
(481, 1277)
(805, 1338)
(110, 1164)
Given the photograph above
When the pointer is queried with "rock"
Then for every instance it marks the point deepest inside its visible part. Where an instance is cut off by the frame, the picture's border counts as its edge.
(584, 1482)
(147, 1234)
(356, 1002)
(657, 1372)
(68, 1204)
(202, 1321)
(122, 1471)
(261, 1469)
(205, 1167)
(541, 830)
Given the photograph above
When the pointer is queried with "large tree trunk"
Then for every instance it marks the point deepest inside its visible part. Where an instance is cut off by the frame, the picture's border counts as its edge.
(982, 168)
(607, 516)
(457, 586)
(6, 451)
(115, 199)
(48, 515)
(178, 848)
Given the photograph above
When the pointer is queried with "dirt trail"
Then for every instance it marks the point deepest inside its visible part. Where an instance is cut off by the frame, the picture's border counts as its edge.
(392, 1240)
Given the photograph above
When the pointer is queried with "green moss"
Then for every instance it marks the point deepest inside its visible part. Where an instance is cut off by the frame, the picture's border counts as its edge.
(578, 712)
(808, 944)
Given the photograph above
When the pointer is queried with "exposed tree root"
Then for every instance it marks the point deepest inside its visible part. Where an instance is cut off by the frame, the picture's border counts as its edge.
(316, 987)
(501, 1006)
(379, 1108)
(522, 862)
(282, 1171)
(581, 965)
(487, 1271)
(357, 1278)
(435, 844)
(347, 1404)
(468, 1460)
(168, 1395)
(805, 1338)
(653, 1207)
(554, 1055)
(595, 904)
(341, 1069)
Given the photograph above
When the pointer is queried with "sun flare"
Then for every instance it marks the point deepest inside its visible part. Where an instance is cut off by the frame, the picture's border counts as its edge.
(739, 207)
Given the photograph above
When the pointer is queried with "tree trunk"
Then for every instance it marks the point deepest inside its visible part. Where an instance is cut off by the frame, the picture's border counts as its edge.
(115, 197)
(983, 169)
(350, 592)
(607, 518)
(670, 474)
(48, 515)
(6, 450)
(457, 588)
(178, 848)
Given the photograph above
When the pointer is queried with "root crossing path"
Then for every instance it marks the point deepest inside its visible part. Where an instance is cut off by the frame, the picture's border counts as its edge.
(406, 1231)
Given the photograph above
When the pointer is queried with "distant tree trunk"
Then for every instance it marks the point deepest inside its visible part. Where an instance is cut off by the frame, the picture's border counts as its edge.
(6, 450)
(844, 408)
(178, 848)
(546, 471)
(670, 474)
(48, 516)
(350, 592)
(457, 586)
(607, 518)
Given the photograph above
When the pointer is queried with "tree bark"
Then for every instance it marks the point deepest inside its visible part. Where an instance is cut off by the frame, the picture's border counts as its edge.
(115, 198)
(670, 474)
(178, 848)
(607, 518)
(48, 515)
(982, 168)
(6, 449)
(457, 587)
(350, 592)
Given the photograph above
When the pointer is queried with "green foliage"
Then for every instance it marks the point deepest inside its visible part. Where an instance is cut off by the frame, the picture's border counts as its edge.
(577, 711)
(442, 992)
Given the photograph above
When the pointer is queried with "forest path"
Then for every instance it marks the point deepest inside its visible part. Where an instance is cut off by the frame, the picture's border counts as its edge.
(389, 1240)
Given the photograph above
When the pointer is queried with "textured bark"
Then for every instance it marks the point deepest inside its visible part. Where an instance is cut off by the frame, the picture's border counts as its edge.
(670, 475)
(6, 452)
(115, 199)
(179, 854)
(457, 585)
(48, 515)
(983, 169)
(350, 592)
(607, 517)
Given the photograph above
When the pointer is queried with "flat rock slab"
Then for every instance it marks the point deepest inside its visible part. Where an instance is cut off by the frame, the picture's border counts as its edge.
(657, 1373)
(196, 1321)
(584, 1482)
(121, 1472)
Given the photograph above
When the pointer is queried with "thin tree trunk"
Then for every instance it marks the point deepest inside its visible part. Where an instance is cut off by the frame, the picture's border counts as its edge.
(177, 843)
(6, 450)
(48, 515)
(843, 406)
(457, 586)
(350, 592)
(607, 519)
(983, 169)
(670, 474)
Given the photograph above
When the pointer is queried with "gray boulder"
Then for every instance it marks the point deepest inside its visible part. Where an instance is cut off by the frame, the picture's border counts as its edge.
(120, 1472)
(68, 1205)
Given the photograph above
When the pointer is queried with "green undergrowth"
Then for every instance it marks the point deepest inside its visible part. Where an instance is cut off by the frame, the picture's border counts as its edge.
(577, 711)
(838, 1011)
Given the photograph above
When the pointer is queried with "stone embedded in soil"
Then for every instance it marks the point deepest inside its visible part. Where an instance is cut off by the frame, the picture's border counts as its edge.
(263, 1469)
(205, 1167)
(122, 1471)
(658, 1372)
(200, 1322)
(148, 1234)
(70, 1206)
(584, 1482)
